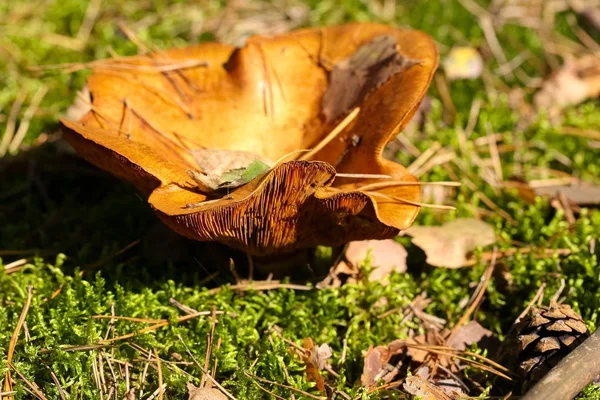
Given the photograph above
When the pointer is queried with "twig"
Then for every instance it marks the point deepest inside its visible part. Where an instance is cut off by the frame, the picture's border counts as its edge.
(14, 338)
(571, 374)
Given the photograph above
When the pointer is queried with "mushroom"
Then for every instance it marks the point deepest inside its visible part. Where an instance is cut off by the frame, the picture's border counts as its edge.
(308, 113)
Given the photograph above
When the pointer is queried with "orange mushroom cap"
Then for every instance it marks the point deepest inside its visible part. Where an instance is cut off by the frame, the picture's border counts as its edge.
(150, 112)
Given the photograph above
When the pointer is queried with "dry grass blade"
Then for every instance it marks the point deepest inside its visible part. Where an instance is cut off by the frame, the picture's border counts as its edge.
(151, 328)
(12, 122)
(160, 376)
(27, 116)
(362, 176)
(485, 280)
(15, 266)
(131, 319)
(258, 385)
(61, 391)
(293, 389)
(383, 185)
(206, 373)
(34, 388)
(14, 338)
(414, 203)
(453, 353)
(422, 159)
(209, 345)
(332, 135)
(121, 64)
(542, 253)
(263, 285)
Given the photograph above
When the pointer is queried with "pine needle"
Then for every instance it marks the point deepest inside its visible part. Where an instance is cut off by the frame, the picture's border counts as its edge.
(13, 341)
(152, 327)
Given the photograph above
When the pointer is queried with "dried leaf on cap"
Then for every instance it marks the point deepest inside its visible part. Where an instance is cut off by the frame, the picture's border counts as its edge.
(450, 244)
(358, 75)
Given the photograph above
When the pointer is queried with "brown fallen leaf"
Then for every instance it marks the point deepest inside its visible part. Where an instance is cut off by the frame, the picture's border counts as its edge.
(358, 75)
(468, 334)
(375, 365)
(449, 245)
(386, 256)
(576, 81)
(204, 393)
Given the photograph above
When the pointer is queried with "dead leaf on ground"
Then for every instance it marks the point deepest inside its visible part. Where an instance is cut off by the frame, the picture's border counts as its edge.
(364, 71)
(151, 113)
(463, 63)
(376, 365)
(450, 244)
(204, 393)
(468, 334)
(387, 256)
(577, 80)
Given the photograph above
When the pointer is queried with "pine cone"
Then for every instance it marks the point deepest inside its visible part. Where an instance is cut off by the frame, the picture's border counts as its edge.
(547, 336)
